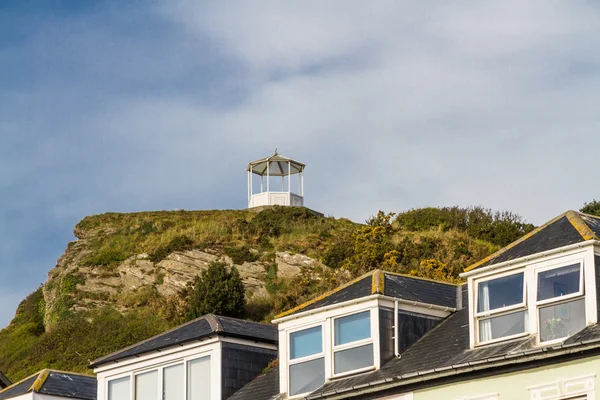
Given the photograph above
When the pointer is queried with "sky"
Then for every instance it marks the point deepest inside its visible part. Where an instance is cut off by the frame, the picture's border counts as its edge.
(159, 105)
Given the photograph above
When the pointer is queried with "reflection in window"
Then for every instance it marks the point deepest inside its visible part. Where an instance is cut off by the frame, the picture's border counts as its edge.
(353, 358)
(500, 292)
(307, 376)
(558, 282)
(562, 320)
(352, 328)
(503, 326)
(118, 389)
(305, 343)
(173, 382)
(198, 379)
(146, 386)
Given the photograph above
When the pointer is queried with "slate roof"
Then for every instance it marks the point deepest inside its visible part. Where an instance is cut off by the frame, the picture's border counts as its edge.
(54, 383)
(263, 387)
(404, 287)
(444, 349)
(4, 381)
(197, 329)
(568, 228)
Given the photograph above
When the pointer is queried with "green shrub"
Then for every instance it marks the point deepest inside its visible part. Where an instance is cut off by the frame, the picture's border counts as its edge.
(592, 208)
(218, 290)
(240, 254)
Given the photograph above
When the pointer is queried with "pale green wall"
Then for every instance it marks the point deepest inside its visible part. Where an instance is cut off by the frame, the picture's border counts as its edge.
(514, 386)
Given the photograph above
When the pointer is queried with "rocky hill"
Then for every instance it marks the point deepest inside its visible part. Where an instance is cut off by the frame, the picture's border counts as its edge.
(124, 277)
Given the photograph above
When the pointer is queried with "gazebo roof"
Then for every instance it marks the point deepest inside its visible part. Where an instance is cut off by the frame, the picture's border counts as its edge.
(278, 166)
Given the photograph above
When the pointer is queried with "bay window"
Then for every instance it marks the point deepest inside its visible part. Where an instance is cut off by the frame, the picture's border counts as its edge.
(560, 302)
(306, 361)
(501, 307)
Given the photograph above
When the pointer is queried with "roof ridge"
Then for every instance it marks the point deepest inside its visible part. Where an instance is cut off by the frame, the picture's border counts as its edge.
(324, 295)
(58, 371)
(422, 278)
(516, 242)
(580, 225)
(19, 382)
(378, 282)
(214, 323)
(249, 321)
(96, 361)
(36, 386)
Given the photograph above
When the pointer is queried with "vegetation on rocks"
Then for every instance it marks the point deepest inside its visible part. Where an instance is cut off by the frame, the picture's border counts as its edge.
(89, 307)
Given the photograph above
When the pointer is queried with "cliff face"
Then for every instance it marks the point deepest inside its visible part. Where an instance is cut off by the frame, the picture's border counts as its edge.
(117, 256)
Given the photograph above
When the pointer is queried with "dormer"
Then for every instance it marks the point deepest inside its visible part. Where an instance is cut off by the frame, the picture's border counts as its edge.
(542, 286)
(208, 358)
(357, 328)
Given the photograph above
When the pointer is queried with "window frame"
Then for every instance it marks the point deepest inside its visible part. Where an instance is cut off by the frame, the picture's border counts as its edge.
(551, 300)
(301, 360)
(498, 312)
(557, 300)
(501, 310)
(357, 343)
(160, 368)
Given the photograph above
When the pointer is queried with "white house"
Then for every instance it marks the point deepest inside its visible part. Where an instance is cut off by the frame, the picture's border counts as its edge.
(209, 358)
(52, 385)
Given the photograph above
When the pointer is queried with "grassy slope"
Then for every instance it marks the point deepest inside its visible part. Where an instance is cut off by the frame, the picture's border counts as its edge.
(27, 346)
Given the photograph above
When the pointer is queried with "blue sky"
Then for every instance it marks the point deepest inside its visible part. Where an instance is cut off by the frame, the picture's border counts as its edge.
(128, 106)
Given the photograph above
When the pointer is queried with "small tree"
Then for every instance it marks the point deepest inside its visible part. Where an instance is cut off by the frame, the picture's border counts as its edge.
(592, 208)
(217, 290)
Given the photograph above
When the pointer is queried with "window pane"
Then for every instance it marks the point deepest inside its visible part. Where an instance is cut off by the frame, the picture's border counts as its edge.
(502, 326)
(355, 358)
(501, 292)
(173, 383)
(199, 379)
(307, 376)
(146, 386)
(352, 328)
(306, 342)
(558, 282)
(118, 389)
(562, 320)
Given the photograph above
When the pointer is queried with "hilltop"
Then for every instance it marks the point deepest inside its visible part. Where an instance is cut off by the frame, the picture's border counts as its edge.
(125, 277)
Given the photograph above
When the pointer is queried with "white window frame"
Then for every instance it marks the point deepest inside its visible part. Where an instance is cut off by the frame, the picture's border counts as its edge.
(557, 300)
(311, 357)
(498, 312)
(160, 368)
(351, 345)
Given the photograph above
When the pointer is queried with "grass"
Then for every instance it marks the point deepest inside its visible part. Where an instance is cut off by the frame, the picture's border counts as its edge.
(113, 237)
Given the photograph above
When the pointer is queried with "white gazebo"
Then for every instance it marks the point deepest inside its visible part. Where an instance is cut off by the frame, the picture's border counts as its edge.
(270, 170)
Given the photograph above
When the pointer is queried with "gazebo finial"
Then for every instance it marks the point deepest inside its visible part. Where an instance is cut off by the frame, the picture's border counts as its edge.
(275, 151)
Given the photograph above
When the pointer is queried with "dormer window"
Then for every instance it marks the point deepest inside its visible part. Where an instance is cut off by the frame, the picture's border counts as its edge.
(353, 344)
(307, 360)
(501, 307)
(560, 301)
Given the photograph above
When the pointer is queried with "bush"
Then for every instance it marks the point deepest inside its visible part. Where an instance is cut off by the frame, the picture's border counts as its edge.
(500, 227)
(592, 208)
(274, 221)
(218, 290)
(240, 254)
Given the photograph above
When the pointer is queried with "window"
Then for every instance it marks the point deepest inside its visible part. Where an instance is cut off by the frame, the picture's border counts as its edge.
(146, 386)
(353, 345)
(119, 389)
(198, 379)
(307, 360)
(560, 302)
(501, 307)
(172, 380)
